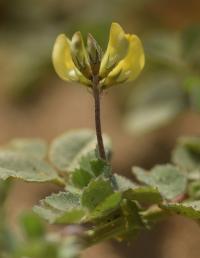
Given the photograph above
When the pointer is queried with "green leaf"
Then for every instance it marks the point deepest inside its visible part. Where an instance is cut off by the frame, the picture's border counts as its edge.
(85, 162)
(80, 178)
(156, 102)
(62, 201)
(188, 209)
(132, 216)
(63, 207)
(186, 159)
(40, 248)
(7, 239)
(95, 193)
(191, 41)
(192, 85)
(67, 150)
(147, 119)
(107, 206)
(192, 143)
(89, 167)
(4, 190)
(123, 183)
(32, 225)
(31, 169)
(153, 214)
(100, 167)
(169, 181)
(70, 217)
(73, 189)
(147, 195)
(194, 175)
(194, 190)
(34, 147)
(164, 48)
(187, 153)
(54, 216)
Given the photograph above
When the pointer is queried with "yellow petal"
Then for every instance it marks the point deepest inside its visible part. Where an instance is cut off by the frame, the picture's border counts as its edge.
(80, 55)
(63, 63)
(116, 50)
(130, 67)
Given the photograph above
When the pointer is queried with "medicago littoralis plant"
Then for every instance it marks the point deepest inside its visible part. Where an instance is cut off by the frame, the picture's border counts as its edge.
(99, 203)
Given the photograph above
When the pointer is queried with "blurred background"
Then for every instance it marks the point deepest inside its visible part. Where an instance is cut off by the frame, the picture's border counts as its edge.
(143, 118)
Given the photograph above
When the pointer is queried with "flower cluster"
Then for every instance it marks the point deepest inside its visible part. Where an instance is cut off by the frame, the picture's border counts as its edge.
(122, 61)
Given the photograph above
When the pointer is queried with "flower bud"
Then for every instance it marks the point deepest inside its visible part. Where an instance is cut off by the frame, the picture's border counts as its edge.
(94, 53)
(79, 55)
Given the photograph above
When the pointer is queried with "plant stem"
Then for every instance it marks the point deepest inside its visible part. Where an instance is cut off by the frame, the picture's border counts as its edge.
(106, 232)
(96, 94)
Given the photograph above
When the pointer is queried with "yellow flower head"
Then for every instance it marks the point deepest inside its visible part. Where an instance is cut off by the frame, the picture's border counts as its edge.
(122, 61)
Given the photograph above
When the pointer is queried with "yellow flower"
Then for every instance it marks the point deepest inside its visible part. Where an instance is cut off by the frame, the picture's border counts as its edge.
(63, 61)
(123, 59)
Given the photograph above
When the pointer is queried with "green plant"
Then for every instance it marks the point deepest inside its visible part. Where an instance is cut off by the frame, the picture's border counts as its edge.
(103, 205)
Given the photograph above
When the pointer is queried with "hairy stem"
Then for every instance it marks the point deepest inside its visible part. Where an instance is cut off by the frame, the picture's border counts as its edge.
(96, 94)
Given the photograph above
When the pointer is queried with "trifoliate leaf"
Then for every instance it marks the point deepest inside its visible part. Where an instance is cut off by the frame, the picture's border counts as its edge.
(189, 209)
(17, 165)
(166, 178)
(148, 195)
(67, 150)
(33, 147)
(63, 207)
(95, 193)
